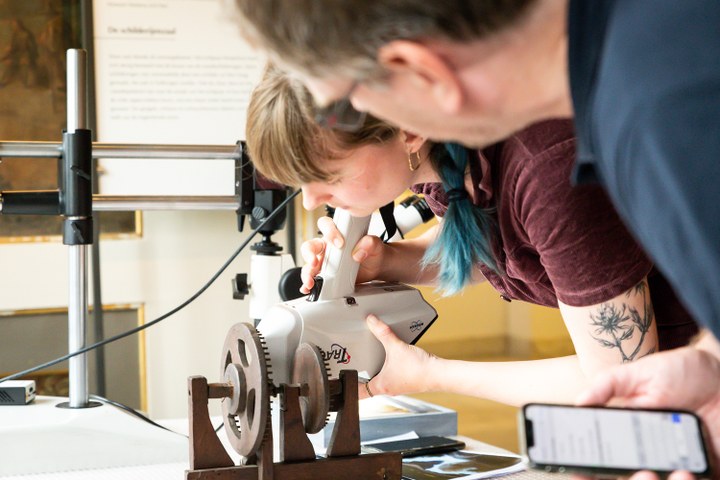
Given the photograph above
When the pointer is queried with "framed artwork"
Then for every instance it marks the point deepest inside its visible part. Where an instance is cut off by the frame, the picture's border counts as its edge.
(31, 337)
(34, 36)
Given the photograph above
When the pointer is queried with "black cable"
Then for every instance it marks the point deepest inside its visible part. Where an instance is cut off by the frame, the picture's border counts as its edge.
(168, 314)
(141, 415)
(134, 413)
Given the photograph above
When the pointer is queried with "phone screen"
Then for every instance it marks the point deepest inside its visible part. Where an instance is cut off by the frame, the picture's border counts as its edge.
(614, 438)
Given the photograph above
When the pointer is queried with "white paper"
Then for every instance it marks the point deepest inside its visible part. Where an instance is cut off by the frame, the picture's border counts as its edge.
(394, 438)
(170, 72)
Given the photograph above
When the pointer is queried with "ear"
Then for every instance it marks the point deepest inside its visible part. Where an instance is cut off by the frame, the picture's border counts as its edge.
(412, 141)
(423, 68)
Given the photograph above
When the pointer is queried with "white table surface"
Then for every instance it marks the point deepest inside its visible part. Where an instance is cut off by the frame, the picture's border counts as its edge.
(31, 434)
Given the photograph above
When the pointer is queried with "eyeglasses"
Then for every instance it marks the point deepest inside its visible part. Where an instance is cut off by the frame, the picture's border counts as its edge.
(340, 114)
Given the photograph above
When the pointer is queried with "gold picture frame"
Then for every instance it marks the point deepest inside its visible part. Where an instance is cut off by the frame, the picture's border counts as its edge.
(34, 336)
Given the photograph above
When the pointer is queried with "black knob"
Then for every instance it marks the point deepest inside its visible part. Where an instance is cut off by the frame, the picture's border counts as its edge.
(240, 286)
(259, 213)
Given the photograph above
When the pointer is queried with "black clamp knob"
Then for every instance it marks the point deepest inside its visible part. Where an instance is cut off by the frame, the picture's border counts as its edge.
(240, 286)
(259, 213)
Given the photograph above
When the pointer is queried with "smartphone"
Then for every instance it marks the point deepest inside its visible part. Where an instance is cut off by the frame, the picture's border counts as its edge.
(413, 447)
(617, 441)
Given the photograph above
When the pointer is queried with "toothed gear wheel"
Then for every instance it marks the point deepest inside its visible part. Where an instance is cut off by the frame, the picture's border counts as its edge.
(245, 365)
(309, 368)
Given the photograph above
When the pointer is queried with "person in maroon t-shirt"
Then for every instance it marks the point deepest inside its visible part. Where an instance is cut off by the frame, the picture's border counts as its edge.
(510, 217)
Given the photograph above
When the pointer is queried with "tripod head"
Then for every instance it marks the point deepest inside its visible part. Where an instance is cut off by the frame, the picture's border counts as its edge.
(258, 196)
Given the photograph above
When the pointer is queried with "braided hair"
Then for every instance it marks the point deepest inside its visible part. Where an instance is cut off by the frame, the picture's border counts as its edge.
(466, 232)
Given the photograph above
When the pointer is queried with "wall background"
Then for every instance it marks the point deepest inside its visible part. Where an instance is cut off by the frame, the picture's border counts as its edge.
(178, 251)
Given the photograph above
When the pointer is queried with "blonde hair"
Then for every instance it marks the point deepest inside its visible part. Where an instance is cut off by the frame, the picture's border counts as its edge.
(284, 142)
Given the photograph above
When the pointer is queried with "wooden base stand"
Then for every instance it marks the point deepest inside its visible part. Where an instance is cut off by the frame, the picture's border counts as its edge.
(209, 460)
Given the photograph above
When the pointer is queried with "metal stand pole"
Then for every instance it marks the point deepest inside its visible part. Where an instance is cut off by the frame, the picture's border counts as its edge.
(76, 198)
(77, 321)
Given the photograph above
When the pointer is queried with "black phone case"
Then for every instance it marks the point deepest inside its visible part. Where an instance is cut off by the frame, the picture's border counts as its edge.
(419, 446)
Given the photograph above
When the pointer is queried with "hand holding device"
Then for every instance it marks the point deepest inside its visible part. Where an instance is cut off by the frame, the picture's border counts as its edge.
(370, 251)
(605, 440)
(313, 251)
(406, 368)
(339, 270)
(333, 315)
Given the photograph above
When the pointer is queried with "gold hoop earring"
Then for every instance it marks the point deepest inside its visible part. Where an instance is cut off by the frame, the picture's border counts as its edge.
(410, 162)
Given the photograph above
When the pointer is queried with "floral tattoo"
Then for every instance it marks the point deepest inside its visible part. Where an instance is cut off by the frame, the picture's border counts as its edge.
(615, 326)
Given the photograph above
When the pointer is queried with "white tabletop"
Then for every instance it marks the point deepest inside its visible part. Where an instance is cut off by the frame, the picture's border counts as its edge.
(40, 441)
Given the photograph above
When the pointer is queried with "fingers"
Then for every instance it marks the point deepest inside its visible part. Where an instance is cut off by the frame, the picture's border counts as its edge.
(312, 252)
(645, 475)
(628, 385)
(600, 391)
(406, 369)
(366, 246)
(385, 335)
(622, 384)
(678, 475)
(381, 331)
(330, 232)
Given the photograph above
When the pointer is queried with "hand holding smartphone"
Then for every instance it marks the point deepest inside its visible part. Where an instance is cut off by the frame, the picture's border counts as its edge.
(618, 441)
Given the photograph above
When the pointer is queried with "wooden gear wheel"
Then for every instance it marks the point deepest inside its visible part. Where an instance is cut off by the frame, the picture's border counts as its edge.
(245, 364)
(310, 369)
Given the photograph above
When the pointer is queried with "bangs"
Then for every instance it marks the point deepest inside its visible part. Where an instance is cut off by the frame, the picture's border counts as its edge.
(291, 161)
(284, 142)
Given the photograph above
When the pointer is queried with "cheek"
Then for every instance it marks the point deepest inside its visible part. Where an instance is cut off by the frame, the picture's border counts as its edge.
(359, 191)
(386, 186)
(402, 98)
(382, 102)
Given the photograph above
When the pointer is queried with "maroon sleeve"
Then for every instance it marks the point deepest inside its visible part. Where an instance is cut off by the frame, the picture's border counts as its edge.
(588, 254)
(435, 197)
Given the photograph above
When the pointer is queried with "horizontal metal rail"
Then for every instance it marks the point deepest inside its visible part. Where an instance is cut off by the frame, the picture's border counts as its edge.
(128, 151)
(124, 203)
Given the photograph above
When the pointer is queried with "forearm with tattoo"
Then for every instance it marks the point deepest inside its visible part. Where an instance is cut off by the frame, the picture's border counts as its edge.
(619, 326)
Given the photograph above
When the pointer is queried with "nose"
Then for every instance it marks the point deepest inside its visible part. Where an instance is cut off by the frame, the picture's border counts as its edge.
(313, 196)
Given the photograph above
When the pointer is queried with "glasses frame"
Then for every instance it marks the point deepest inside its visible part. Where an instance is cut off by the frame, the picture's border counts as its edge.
(340, 114)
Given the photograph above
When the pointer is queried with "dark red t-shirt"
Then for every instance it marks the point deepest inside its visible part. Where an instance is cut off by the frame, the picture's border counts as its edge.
(557, 242)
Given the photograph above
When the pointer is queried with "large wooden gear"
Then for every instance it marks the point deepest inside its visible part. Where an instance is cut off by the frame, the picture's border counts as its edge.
(245, 367)
(304, 406)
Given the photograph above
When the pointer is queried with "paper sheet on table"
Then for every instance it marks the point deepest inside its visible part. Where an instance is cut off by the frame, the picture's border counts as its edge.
(394, 438)
(464, 464)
